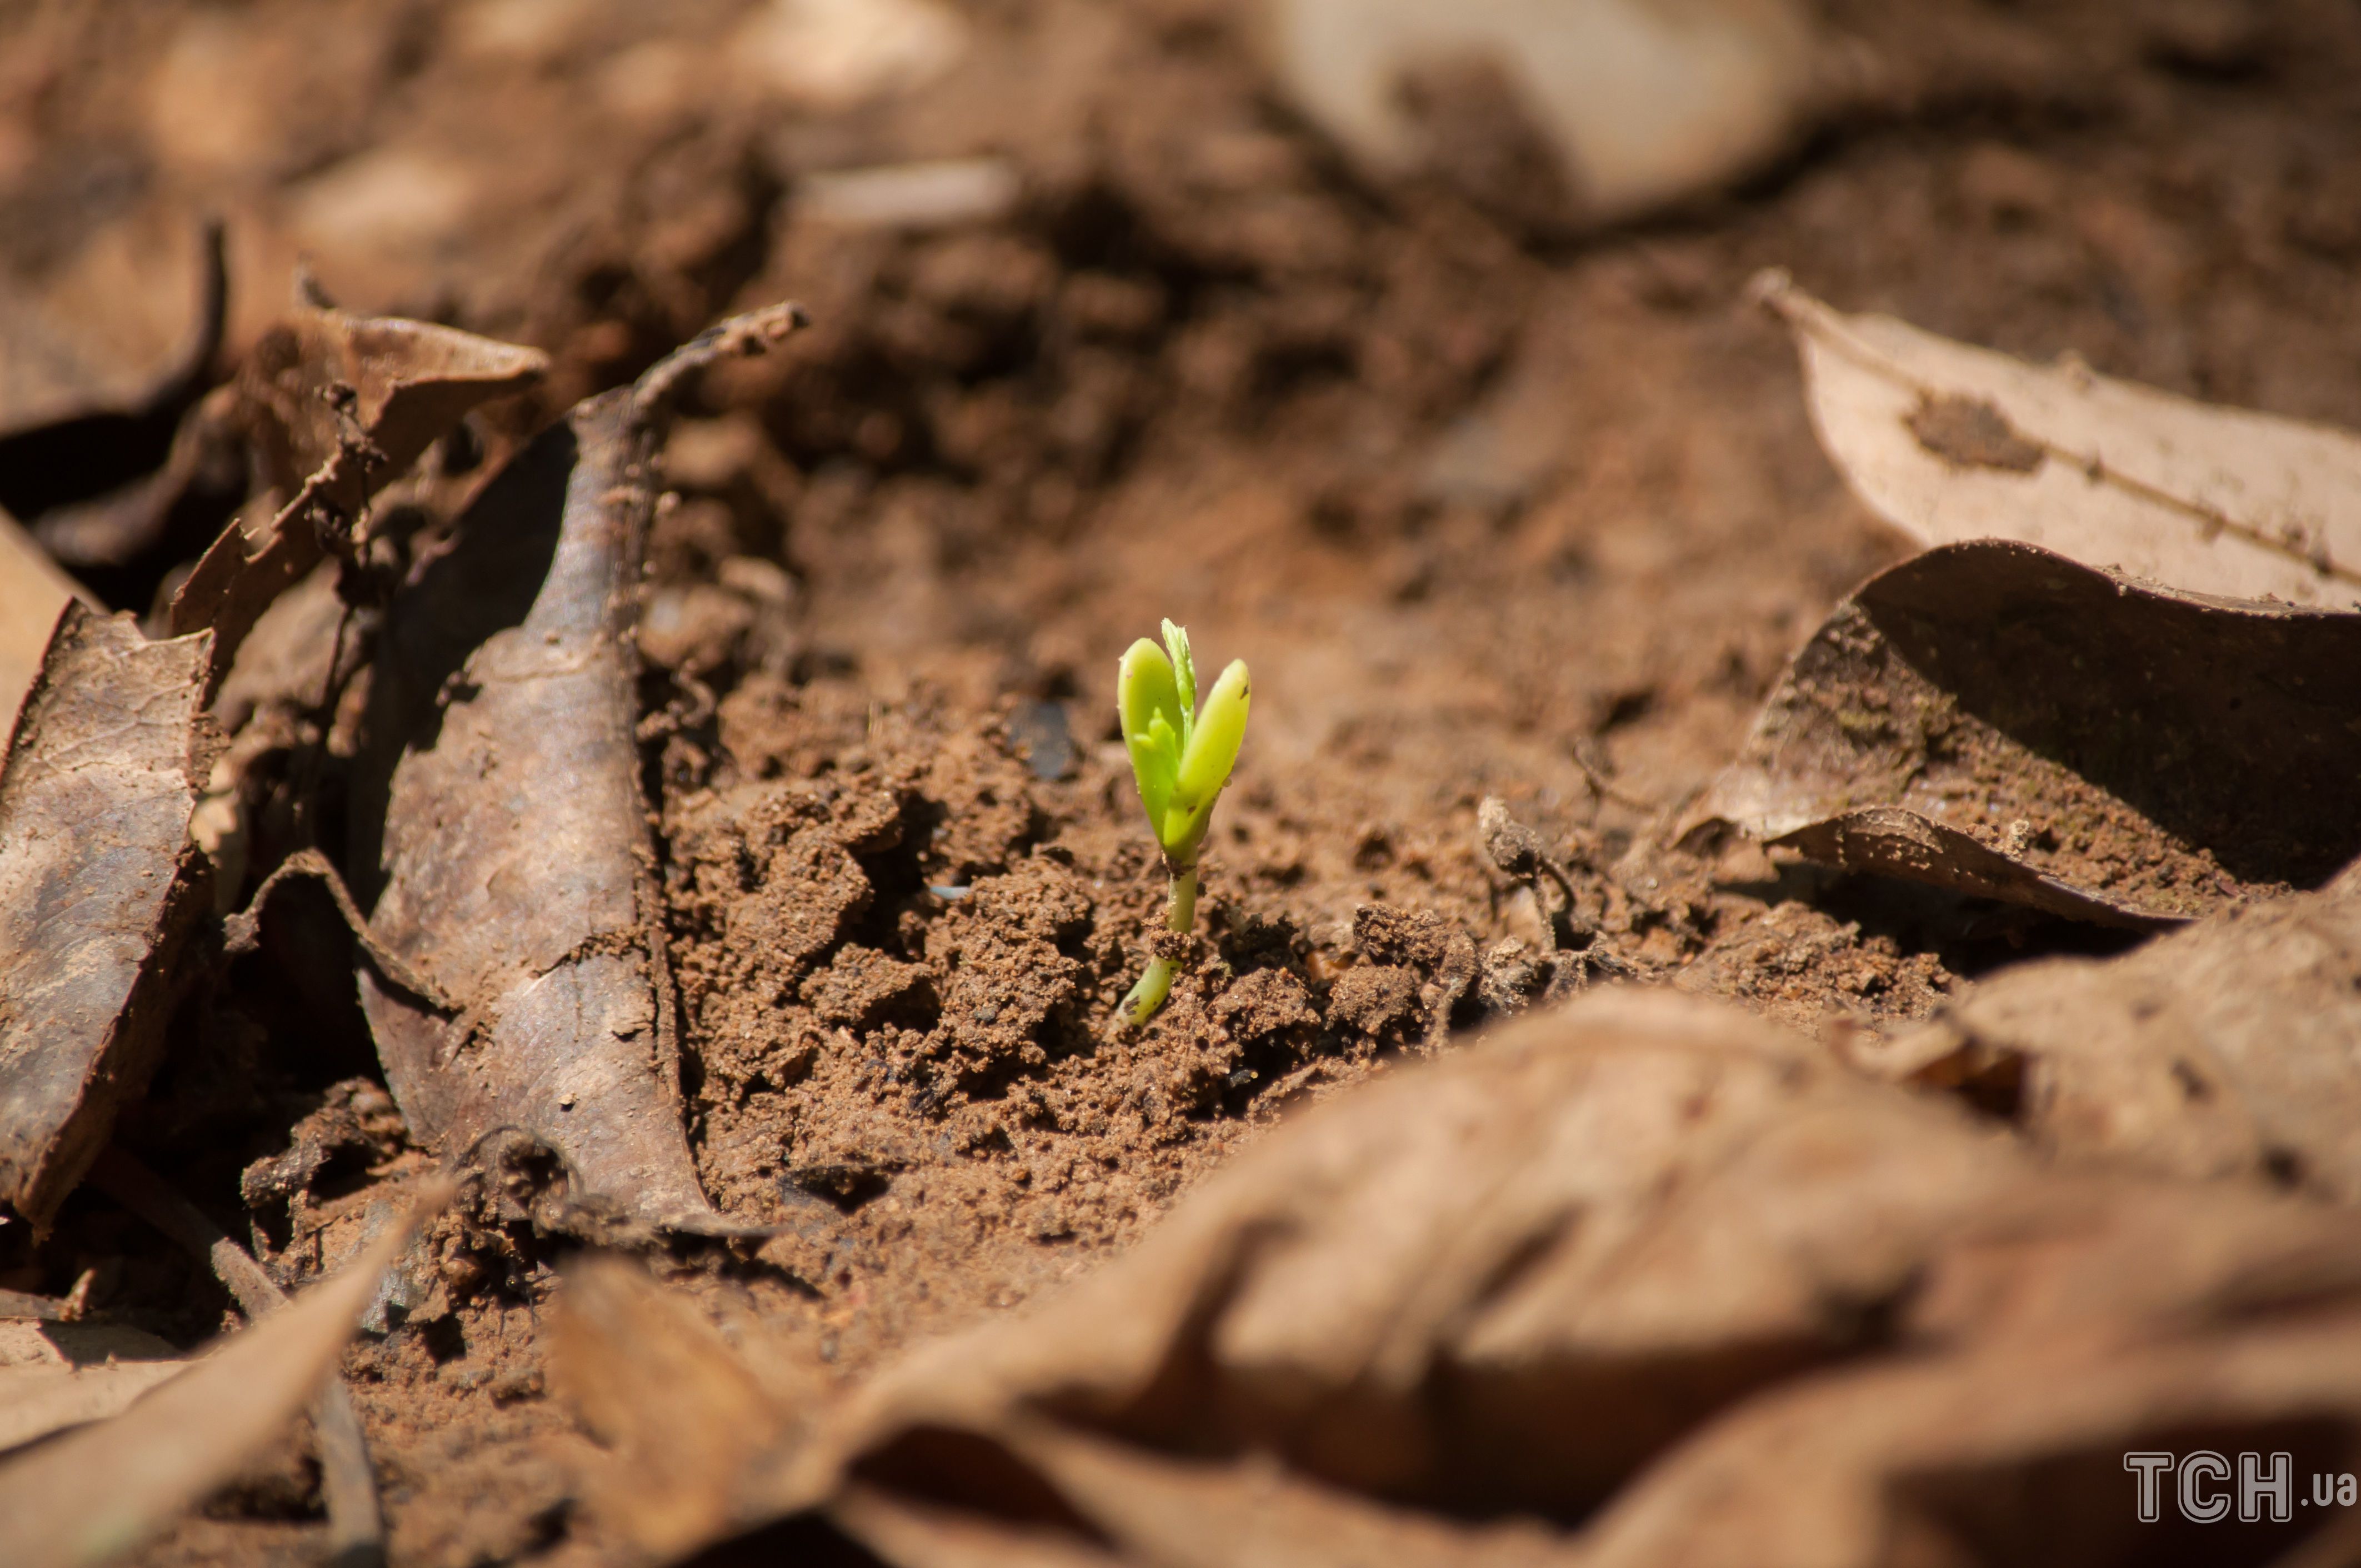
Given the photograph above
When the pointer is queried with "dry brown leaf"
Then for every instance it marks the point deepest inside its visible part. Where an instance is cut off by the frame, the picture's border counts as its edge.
(99, 881)
(2012, 1455)
(95, 1494)
(38, 1400)
(55, 1376)
(1949, 442)
(1515, 1281)
(2000, 720)
(500, 829)
(99, 884)
(207, 459)
(2225, 1049)
(33, 593)
(340, 404)
(347, 1477)
(681, 1409)
(1250, 1513)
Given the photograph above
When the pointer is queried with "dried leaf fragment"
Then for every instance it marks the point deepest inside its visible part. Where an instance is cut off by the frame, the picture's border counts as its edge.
(502, 834)
(70, 350)
(342, 404)
(1547, 1273)
(2224, 1049)
(1947, 442)
(33, 592)
(2013, 1455)
(98, 884)
(2000, 720)
(38, 1400)
(95, 1494)
(55, 1376)
(682, 1408)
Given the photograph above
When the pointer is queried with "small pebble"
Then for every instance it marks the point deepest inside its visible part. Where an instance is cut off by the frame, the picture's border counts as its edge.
(986, 1014)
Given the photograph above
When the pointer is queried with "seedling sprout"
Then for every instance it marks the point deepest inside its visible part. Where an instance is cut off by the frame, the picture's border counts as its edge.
(1181, 759)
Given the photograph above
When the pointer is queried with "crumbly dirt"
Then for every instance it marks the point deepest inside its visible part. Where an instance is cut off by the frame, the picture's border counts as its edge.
(1490, 511)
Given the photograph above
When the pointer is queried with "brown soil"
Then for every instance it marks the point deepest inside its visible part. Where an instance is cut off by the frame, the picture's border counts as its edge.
(1487, 516)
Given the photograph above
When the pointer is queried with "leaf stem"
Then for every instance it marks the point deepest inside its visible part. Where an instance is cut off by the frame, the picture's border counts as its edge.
(1156, 983)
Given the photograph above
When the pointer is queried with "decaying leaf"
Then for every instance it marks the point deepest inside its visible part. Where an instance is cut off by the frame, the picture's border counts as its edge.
(1997, 720)
(682, 1409)
(98, 885)
(340, 404)
(347, 1478)
(1949, 442)
(2225, 1049)
(99, 882)
(55, 1376)
(38, 1400)
(208, 455)
(96, 1493)
(2013, 1454)
(502, 834)
(33, 593)
(1516, 1280)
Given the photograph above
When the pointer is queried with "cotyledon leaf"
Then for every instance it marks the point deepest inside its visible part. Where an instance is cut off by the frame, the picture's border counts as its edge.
(1147, 696)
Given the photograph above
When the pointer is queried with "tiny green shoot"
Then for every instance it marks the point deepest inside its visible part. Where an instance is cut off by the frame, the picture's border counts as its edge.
(1180, 757)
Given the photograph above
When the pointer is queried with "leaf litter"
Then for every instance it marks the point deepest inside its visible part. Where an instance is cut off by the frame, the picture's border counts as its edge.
(96, 1493)
(2222, 1050)
(100, 888)
(70, 355)
(1617, 1254)
(892, 936)
(56, 1376)
(1999, 720)
(519, 881)
(1949, 442)
(100, 883)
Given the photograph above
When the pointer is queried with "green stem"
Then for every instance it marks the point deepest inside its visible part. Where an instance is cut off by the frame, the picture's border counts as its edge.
(1180, 914)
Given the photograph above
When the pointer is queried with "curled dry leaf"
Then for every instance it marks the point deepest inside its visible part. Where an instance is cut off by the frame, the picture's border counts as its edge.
(1948, 443)
(347, 1478)
(2000, 720)
(38, 1400)
(207, 457)
(1518, 1280)
(2224, 1049)
(99, 884)
(339, 405)
(2011, 1455)
(682, 1409)
(57, 1375)
(501, 830)
(33, 593)
(94, 1495)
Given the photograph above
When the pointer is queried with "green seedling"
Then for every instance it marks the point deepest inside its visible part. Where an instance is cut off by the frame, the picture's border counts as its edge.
(1182, 758)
